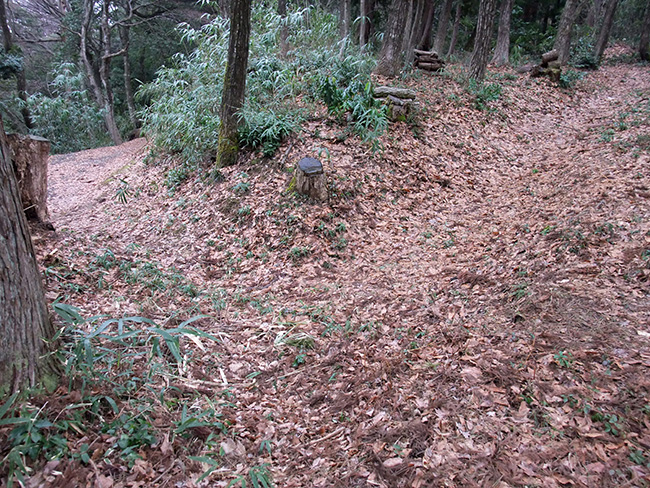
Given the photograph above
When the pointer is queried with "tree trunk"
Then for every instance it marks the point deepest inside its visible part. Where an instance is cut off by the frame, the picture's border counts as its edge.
(128, 78)
(594, 13)
(96, 81)
(443, 24)
(105, 75)
(645, 35)
(21, 82)
(454, 34)
(408, 29)
(344, 24)
(234, 82)
(562, 42)
(24, 321)
(363, 21)
(605, 29)
(424, 42)
(501, 55)
(29, 155)
(479, 59)
(390, 58)
(284, 29)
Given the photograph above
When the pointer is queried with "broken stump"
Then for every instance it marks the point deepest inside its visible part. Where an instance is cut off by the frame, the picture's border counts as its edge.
(310, 179)
(29, 155)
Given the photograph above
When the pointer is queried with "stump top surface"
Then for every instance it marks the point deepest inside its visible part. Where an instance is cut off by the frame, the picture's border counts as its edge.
(310, 166)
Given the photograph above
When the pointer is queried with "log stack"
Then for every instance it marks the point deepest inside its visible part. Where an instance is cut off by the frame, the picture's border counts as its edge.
(400, 101)
(428, 60)
(550, 66)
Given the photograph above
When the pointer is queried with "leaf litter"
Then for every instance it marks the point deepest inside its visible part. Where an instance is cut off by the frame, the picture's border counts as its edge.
(470, 307)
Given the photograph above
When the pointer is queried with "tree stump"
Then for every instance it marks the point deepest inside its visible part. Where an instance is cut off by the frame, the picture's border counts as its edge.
(310, 179)
(549, 67)
(29, 155)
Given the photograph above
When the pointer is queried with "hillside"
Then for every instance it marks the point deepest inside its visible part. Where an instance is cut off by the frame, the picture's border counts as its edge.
(470, 308)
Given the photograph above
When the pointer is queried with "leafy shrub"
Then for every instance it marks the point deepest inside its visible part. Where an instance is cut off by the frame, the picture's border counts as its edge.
(484, 93)
(68, 117)
(570, 77)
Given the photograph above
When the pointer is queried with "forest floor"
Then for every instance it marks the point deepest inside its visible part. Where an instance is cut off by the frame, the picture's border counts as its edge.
(470, 308)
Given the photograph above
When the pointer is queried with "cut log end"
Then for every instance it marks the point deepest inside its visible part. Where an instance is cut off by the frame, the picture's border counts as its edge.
(310, 179)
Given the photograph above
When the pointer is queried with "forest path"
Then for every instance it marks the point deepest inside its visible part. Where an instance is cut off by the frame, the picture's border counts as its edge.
(511, 299)
(77, 182)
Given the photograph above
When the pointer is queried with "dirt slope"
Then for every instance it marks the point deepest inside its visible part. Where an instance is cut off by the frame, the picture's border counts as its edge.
(477, 294)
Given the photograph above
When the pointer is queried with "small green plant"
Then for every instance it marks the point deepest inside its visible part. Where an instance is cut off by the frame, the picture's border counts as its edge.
(520, 290)
(564, 359)
(607, 135)
(569, 78)
(241, 187)
(299, 253)
(258, 476)
(484, 94)
(123, 191)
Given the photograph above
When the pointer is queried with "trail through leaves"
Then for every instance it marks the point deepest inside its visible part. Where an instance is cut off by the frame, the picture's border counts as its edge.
(470, 308)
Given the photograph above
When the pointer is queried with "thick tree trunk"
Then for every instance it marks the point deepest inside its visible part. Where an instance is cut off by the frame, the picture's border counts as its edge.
(21, 82)
(424, 42)
(443, 24)
(562, 42)
(390, 58)
(479, 59)
(407, 49)
(24, 321)
(29, 155)
(454, 34)
(501, 55)
(645, 35)
(605, 29)
(345, 20)
(234, 82)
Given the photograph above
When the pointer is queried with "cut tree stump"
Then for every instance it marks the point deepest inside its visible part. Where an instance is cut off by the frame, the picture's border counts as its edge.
(310, 179)
(29, 155)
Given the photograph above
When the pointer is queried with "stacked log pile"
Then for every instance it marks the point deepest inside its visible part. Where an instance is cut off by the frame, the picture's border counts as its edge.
(400, 101)
(550, 66)
(428, 60)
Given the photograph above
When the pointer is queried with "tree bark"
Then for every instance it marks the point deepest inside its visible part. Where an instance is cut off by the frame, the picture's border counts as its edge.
(390, 58)
(501, 55)
(363, 20)
(479, 59)
(562, 42)
(454, 34)
(645, 35)
(21, 82)
(605, 29)
(234, 82)
(424, 42)
(443, 24)
(284, 29)
(98, 79)
(29, 155)
(125, 35)
(24, 321)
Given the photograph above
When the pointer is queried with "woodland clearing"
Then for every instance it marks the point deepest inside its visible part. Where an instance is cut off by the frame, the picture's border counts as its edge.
(470, 308)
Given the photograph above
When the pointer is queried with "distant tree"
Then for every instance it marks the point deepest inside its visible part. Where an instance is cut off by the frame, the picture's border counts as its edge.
(501, 55)
(645, 35)
(284, 29)
(605, 29)
(562, 44)
(443, 25)
(19, 72)
(454, 33)
(390, 57)
(234, 82)
(24, 322)
(424, 42)
(479, 59)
